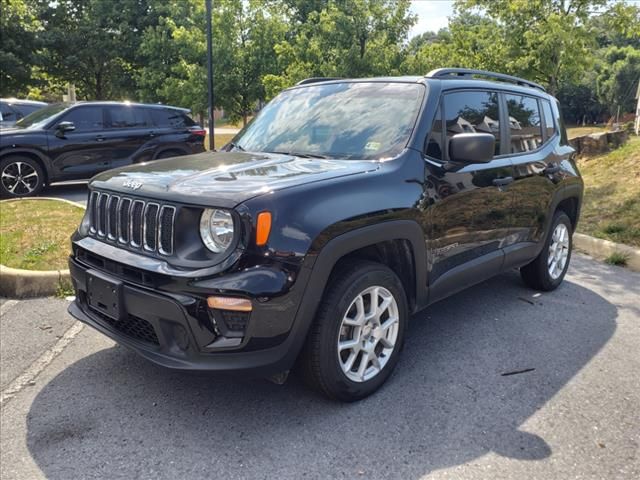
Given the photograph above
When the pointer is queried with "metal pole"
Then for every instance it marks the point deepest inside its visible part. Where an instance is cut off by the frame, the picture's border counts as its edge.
(212, 143)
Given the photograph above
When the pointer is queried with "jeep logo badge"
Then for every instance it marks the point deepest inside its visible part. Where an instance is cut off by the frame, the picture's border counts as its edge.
(132, 184)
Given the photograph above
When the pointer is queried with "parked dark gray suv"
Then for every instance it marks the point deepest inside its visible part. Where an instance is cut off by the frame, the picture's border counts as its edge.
(76, 141)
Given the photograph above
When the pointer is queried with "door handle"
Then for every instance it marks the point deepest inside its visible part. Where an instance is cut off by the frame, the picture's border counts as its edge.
(501, 182)
(99, 138)
(152, 134)
(551, 169)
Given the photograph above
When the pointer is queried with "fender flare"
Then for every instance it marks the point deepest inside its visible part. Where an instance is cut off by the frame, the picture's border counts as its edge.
(320, 269)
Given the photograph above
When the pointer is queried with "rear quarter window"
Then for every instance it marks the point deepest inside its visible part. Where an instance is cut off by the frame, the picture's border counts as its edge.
(166, 117)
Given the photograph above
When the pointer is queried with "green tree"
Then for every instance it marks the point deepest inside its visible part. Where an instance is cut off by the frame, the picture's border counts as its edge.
(341, 39)
(618, 77)
(93, 43)
(18, 46)
(173, 56)
(471, 41)
(549, 41)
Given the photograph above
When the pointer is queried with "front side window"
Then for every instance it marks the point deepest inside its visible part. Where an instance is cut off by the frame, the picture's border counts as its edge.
(363, 120)
(85, 118)
(471, 112)
(127, 117)
(524, 123)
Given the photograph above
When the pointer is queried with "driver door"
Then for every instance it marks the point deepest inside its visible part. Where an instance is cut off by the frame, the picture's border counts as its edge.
(80, 153)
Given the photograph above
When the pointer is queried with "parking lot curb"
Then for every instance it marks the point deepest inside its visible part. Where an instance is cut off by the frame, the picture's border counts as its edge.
(18, 283)
(601, 249)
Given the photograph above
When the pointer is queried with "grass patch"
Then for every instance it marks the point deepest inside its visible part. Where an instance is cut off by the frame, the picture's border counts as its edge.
(611, 206)
(34, 234)
(573, 132)
(221, 139)
(617, 258)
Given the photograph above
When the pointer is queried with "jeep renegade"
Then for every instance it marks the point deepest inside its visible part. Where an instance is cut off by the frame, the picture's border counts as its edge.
(342, 209)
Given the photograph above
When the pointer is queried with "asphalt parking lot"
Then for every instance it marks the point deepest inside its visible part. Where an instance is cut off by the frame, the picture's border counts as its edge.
(74, 191)
(453, 409)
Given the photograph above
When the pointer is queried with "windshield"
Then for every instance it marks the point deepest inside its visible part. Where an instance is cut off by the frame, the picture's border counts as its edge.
(364, 120)
(41, 117)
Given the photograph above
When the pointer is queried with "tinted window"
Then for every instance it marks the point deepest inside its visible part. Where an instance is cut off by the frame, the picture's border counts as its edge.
(360, 120)
(7, 113)
(469, 112)
(166, 117)
(524, 123)
(128, 117)
(433, 147)
(85, 118)
(548, 119)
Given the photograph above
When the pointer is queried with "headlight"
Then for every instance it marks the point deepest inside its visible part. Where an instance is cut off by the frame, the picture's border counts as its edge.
(216, 229)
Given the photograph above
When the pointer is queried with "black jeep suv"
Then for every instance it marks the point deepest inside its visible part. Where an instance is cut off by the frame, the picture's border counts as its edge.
(75, 141)
(342, 209)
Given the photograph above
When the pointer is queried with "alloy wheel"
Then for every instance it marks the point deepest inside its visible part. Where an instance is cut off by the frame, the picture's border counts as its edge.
(368, 334)
(558, 251)
(19, 178)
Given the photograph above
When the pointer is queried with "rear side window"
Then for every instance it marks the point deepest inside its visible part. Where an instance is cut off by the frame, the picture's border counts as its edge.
(167, 117)
(469, 112)
(549, 125)
(128, 117)
(85, 118)
(524, 123)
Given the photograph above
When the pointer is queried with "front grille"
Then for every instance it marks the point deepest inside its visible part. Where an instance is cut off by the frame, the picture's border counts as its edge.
(131, 326)
(132, 222)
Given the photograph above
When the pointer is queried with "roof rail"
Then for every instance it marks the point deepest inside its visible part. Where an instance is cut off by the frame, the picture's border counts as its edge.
(444, 73)
(317, 80)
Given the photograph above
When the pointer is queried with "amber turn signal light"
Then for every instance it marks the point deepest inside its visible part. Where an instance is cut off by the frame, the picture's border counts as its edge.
(263, 228)
(230, 303)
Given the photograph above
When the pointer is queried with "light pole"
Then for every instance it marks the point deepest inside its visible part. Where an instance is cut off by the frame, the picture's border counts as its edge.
(212, 143)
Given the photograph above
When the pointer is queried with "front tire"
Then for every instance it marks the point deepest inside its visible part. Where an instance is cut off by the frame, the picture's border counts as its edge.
(358, 332)
(548, 269)
(20, 177)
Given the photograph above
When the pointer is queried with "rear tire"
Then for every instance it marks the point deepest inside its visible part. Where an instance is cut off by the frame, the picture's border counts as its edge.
(353, 347)
(20, 177)
(548, 269)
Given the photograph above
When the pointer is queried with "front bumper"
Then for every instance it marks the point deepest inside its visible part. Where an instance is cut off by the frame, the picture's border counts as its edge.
(163, 327)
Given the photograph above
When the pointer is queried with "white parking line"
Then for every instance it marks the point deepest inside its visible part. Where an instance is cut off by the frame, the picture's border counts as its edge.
(30, 374)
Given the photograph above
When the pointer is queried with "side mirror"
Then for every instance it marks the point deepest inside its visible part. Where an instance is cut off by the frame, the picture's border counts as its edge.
(64, 127)
(472, 148)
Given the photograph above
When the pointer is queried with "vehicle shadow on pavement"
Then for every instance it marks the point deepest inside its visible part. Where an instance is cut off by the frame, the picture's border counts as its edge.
(114, 415)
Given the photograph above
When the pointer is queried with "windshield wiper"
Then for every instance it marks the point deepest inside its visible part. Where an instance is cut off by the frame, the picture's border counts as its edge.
(301, 154)
(237, 146)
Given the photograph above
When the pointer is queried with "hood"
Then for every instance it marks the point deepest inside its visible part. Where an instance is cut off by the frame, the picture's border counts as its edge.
(223, 179)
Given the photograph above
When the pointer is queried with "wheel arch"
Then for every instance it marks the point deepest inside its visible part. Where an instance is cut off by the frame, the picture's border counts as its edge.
(344, 247)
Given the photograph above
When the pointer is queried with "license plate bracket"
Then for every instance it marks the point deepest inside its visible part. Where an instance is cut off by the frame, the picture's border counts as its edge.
(104, 294)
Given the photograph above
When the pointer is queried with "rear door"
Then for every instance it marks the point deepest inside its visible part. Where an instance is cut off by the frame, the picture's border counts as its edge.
(533, 143)
(129, 134)
(80, 153)
(470, 207)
